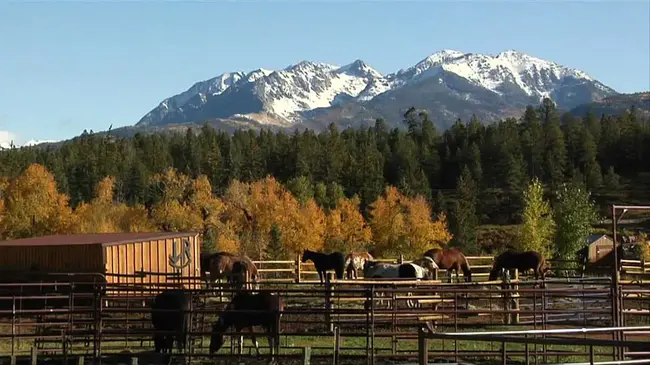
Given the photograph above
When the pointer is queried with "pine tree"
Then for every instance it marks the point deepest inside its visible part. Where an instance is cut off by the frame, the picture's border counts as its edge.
(275, 250)
(612, 180)
(465, 219)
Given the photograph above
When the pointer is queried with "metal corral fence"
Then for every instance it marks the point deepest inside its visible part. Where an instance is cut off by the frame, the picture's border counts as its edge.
(298, 272)
(342, 320)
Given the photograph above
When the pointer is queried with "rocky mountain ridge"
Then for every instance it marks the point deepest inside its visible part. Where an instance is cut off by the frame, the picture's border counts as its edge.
(450, 84)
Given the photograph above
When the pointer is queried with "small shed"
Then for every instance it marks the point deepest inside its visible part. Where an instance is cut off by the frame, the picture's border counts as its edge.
(598, 246)
(127, 259)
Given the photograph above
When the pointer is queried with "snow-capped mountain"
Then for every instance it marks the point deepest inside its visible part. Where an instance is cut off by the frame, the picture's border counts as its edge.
(315, 92)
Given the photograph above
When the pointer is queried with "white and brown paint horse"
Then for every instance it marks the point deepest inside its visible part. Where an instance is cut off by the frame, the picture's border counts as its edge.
(354, 263)
(423, 268)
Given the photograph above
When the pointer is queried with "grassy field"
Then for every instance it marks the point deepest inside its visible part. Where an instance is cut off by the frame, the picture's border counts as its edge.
(323, 349)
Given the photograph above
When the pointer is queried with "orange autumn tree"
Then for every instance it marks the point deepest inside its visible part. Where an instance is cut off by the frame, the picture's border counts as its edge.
(186, 205)
(171, 213)
(402, 225)
(346, 229)
(103, 215)
(210, 209)
(255, 208)
(33, 206)
(307, 230)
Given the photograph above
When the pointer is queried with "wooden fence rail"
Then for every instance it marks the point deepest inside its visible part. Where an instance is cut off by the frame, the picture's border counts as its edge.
(296, 271)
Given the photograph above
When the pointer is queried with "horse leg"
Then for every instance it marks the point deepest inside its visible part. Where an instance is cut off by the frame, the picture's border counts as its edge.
(272, 344)
(254, 340)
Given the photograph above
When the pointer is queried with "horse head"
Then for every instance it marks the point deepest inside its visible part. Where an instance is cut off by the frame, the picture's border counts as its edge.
(306, 255)
(494, 273)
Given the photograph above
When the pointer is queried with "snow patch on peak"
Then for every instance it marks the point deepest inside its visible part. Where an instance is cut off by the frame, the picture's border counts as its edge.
(359, 68)
(534, 76)
(282, 94)
(35, 142)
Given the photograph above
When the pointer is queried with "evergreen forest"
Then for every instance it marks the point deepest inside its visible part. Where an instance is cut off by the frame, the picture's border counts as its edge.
(273, 193)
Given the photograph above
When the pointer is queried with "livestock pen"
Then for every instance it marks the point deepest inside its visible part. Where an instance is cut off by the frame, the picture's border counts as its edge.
(367, 320)
(346, 320)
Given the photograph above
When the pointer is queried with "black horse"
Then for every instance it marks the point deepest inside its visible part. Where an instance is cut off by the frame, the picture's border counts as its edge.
(522, 261)
(170, 313)
(323, 262)
(247, 310)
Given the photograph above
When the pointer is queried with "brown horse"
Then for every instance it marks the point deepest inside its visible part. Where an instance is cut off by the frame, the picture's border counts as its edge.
(451, 259)
(522, 261)
(229, 266)
(245, 311)
(354, 263)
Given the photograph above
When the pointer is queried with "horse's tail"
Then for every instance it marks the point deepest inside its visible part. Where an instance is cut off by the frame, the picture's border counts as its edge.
(467, 270)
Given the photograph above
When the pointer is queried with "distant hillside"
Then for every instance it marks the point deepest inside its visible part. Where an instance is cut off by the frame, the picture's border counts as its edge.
(616, 105)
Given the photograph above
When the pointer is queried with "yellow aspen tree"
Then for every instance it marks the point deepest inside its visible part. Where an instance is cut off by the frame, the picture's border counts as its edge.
(34, 207)
(402, 225)
(100, 214)
(387, 221)
(308, 229)
(171, 213)
(209, 208)
(346, 230)
(424, 234)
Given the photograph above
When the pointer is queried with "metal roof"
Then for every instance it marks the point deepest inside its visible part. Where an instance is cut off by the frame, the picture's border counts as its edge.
(595, 237)
(104, 239)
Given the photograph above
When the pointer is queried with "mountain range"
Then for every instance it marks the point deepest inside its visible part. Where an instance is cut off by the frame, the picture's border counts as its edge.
(448, 84)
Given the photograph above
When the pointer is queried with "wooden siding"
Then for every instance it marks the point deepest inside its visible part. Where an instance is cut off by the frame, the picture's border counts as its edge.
(600, 248)
(62, 258)
(53, 259)
(152, 257)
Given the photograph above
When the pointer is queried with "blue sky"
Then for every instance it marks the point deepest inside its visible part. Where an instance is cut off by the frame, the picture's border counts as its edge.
(70, 66)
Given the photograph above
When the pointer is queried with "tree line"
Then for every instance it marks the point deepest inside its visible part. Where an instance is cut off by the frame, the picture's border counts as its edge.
(472, 173)
(262, 218)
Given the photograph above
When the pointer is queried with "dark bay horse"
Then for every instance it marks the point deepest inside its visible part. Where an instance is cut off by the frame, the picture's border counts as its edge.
(170, 313)
(451, 259)
(245, 311)
(323, 262)
(522, 261)
(354, 263)
(221, 265)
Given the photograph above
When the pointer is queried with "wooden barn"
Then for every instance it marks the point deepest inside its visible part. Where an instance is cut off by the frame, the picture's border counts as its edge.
(124, 259)
(598, 246)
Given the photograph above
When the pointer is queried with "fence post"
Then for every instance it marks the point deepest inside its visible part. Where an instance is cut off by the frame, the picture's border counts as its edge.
(505, 285)
(515, 300)
(306, 355)
(297, 268)
(34, 356)
(337, 344)
(423, 348)
(328, 302)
